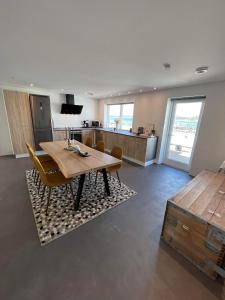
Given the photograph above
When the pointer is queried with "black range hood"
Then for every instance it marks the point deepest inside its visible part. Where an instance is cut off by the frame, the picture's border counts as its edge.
(69, 107)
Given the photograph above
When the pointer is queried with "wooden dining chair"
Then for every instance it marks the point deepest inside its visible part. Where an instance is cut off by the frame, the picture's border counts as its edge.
(48, 164)
(100, 146)
(89, 142)
(51, 180)
(117, 152)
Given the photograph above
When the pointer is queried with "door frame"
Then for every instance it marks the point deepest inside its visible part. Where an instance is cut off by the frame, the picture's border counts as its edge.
(170, 162)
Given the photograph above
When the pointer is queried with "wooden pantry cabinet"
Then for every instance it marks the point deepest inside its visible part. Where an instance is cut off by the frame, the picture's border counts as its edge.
(194, 223)
(19, 118)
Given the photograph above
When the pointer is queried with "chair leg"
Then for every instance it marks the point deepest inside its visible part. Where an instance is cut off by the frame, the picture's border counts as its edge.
(39, 186)
(96, 177)
(49, 195)
(36, 179)
(43, 193)
(118, 177)
(71, 190)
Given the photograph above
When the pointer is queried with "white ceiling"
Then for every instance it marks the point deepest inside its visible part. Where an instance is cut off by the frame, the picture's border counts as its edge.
(110, 47)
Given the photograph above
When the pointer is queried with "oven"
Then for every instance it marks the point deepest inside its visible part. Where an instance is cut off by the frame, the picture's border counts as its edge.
(76, 135)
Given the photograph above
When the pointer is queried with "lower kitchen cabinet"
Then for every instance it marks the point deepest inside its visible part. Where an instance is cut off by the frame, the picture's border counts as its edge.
(88, 133)
(136, 149)
(59, 135)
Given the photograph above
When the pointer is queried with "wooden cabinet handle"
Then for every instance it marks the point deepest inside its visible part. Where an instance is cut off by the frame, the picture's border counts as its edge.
(185, 228)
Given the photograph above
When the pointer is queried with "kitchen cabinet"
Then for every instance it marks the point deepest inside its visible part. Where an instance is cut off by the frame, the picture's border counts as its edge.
(136, 149)
(86, 133)
(59, 135)
(19, 118)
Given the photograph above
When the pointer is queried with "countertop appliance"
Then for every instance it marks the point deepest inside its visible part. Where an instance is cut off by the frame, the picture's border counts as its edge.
(95, 124)
(69, 107)
(41, 119)
(85, 124)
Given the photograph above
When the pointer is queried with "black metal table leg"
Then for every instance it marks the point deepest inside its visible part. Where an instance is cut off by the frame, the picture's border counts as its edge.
(79, 191)
(106, 181)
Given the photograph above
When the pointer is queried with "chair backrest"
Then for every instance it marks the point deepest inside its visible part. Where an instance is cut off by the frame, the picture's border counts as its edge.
(40, 169)
(100, 146)
(117, 152)
(89, 142)
(30, 151)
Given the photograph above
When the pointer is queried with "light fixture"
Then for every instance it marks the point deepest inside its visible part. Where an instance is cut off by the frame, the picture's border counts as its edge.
(62, 90)
(201, 70)
(128, 92)
(140, 90)
(31, 84)
(119, 94)
(155, 88)
(166, 66)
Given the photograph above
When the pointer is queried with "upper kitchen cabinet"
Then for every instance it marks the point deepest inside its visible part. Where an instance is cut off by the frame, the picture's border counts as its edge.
(19, 118)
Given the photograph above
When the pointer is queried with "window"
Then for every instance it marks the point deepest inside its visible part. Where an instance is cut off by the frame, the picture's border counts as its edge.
(121, 112)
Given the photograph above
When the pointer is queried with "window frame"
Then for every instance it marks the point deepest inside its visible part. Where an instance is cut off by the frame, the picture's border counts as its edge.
(120, 117)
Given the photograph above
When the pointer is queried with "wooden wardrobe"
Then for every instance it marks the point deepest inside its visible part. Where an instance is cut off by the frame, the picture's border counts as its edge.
(20, 122)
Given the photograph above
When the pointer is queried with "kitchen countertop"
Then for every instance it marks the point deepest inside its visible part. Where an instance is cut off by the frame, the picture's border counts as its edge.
(119, 131)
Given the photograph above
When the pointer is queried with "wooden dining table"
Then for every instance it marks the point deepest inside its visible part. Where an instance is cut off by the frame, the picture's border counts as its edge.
(71, 164)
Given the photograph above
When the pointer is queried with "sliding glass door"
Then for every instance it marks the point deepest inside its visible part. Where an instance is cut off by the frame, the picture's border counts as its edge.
(183, 127)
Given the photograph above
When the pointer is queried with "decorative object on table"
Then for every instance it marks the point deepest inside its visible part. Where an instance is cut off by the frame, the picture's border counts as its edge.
(83, 154)
(76, 148)
(61, 217)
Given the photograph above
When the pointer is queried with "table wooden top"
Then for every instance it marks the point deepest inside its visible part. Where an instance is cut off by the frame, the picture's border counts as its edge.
(72, 164)
(204, 196)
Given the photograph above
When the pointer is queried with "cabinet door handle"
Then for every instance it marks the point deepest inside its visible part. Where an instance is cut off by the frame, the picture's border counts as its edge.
(185, 228)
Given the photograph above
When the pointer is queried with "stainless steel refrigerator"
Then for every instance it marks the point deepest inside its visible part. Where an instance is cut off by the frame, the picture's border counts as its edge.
(41, 118)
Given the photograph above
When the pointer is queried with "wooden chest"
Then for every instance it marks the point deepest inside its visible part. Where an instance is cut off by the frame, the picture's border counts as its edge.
(194, 222)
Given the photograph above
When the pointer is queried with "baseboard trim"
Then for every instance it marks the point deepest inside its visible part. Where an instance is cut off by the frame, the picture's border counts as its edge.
(27, 155)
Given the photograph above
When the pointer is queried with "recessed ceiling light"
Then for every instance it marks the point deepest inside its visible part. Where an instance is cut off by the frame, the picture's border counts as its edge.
(128, 92)
(140, 90)
(119, 94)
(155, 88)
(201, 70)
(111, 95)
(167, 66)
(31, 84)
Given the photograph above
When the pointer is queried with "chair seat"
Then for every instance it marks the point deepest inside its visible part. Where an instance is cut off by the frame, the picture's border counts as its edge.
(50, 166)
(44, 158)
(113, 168)
(57, 179)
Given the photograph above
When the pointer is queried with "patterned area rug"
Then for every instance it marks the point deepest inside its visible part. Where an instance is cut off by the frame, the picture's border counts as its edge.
(61, 217)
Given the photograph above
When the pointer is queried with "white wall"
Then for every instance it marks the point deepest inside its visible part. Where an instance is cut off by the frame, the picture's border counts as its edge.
(210, 146)
(89, 112)
(5, 140)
